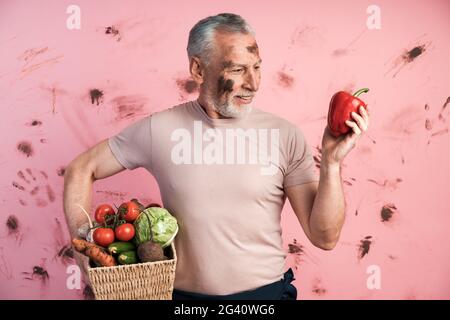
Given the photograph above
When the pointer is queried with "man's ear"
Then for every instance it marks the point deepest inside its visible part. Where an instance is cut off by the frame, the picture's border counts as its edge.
(196, 69)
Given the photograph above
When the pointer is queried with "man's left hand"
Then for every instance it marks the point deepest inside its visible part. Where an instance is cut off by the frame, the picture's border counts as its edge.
(334, 149)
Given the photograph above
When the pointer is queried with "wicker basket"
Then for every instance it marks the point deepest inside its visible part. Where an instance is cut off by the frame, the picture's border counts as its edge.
(141, 281)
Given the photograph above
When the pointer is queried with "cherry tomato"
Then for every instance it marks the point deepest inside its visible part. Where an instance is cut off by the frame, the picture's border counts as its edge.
(102, 211)
(125, 232)
(129, 211)
(103, 236)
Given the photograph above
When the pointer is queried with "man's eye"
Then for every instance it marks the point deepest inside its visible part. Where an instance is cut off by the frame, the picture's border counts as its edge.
(257, 67)
(237, 70)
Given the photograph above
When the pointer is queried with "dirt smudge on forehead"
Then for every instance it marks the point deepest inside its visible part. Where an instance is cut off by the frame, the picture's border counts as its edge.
(253, 49)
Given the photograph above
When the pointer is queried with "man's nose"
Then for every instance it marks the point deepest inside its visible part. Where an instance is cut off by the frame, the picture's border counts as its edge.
(251, 81)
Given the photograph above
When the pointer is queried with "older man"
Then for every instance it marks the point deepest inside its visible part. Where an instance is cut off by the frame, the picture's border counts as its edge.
(224, 168)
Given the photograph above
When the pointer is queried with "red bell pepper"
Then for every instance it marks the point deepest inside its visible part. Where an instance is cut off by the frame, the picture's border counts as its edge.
(341, 106)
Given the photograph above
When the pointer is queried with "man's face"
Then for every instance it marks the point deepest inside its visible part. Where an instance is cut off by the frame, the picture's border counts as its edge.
(233, 74)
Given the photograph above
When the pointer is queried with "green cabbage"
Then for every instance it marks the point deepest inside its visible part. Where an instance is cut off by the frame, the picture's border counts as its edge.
(164, 226)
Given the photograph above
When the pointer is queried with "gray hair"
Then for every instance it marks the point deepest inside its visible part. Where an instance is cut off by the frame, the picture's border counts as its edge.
(201, 36)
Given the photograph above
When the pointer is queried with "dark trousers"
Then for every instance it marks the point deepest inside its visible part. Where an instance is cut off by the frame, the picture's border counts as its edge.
(279, 290)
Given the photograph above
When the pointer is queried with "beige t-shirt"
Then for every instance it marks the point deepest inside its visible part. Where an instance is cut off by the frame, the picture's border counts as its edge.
(224, 180)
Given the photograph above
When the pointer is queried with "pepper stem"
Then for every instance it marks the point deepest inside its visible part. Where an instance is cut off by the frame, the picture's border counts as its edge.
(363, 90)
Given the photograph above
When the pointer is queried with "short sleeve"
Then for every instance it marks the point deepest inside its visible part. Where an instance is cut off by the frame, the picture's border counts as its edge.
(132, 146)
(300, 166)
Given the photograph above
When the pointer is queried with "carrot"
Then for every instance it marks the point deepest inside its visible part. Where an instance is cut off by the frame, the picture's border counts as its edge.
(81, 245)
(96, 253)
(99, 256)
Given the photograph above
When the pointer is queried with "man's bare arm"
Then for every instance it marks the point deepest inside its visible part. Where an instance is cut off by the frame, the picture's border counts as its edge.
(320, 207)
(94, 164)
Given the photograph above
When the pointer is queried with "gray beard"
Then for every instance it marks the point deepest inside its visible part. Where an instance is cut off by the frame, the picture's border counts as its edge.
(229, 110)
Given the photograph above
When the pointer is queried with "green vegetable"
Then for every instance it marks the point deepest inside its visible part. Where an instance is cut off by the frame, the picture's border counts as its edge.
(155, 224)
(128, 257)
(121, 246)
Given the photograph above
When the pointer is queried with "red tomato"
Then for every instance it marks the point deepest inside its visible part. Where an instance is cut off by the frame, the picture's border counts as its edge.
(125, 232)
(102, 211)
(103, 236)
(129, 211)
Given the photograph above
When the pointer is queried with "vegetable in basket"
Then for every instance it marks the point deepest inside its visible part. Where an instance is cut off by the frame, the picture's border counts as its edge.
(102, 212)
(124, 232)
(128, 257)
(129, 210)
(94, 252)
(155, 224)
(103, 236)
(121, 246)
(150, 251)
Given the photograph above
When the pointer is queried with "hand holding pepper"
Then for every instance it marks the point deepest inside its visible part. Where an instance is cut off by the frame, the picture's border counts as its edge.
(336, 141)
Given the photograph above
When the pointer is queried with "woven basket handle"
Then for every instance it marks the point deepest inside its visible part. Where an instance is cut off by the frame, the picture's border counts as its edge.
(87, 214)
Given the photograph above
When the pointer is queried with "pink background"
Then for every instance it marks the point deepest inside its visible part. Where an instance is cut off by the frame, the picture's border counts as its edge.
(310, 49)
